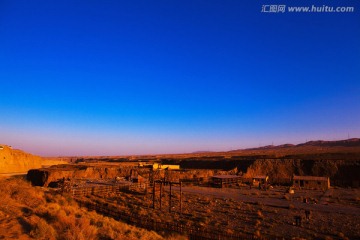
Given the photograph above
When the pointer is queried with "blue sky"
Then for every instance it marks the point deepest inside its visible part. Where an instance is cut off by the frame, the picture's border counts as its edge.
(146, 77)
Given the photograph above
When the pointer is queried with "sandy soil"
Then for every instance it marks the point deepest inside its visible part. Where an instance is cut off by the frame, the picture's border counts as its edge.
(335, 214)
(6, 175)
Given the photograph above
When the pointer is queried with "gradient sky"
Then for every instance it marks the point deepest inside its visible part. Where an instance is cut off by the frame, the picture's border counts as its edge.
(136, 77)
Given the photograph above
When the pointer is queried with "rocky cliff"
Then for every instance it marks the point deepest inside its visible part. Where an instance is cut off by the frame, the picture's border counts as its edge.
(48, 176)
(16, 161)
(343, 173)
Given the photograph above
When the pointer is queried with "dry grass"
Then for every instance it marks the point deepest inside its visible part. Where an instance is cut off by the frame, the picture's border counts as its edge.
(29, 212)
(43, 215)
(259, 214)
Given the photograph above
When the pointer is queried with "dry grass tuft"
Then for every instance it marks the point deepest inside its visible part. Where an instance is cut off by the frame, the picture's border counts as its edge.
(42, 230)
(259, 214)
(51, 216)
(257, 234)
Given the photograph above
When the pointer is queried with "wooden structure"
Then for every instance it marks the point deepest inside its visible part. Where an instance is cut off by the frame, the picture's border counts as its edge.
(311, 182)
(158, 186)
(225, 180)
(259, 180)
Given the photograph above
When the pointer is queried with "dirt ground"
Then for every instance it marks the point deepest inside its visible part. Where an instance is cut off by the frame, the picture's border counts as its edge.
(334, 214)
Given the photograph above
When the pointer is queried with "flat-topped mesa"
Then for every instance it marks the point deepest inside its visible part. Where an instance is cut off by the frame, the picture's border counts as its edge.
(17, 161)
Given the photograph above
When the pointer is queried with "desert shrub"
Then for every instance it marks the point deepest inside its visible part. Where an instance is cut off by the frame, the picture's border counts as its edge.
(257, 234)
(79, 228)
(21, 192)
(42, 230)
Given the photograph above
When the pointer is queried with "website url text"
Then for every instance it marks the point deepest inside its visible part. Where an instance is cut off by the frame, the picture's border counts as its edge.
(308, 9)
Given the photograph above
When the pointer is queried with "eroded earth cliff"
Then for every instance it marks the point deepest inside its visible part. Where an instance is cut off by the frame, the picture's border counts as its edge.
(17, 161)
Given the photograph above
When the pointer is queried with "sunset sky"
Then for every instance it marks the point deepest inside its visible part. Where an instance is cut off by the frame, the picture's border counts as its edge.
(145, 77)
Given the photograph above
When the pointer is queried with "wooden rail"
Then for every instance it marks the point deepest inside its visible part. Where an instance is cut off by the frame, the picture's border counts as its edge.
(83, 191)
(145, 222)
(150, 224)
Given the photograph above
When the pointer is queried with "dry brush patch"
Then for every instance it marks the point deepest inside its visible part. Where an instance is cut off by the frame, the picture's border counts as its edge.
(260, 218)
(26, 212)
(30, 212)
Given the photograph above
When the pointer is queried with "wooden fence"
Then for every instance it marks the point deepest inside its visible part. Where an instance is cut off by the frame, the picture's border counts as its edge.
(150, 224)
(103, 190)
(116, 188)
(145, 222)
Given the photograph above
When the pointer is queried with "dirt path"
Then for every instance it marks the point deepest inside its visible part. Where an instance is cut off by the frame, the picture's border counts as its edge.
(326, 197)
(269, 200)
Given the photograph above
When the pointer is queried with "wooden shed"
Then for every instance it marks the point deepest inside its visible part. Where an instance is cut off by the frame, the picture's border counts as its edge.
(259, 180)
(311, 182)
(225, 180)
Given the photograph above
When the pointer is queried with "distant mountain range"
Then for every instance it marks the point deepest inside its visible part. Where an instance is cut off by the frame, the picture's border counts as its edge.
(353, 142)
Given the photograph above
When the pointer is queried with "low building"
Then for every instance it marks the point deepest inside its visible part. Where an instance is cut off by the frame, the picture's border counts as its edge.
(311, 182)
(225, 180)
(165, 166)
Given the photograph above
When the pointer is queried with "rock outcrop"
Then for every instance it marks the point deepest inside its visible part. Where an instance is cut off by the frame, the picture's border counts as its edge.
(17, 161)
(48, 176)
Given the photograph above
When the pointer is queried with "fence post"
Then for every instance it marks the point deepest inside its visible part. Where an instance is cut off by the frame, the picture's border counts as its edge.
(160, 194)
(170, 198)
(153, 194)
(180, 198)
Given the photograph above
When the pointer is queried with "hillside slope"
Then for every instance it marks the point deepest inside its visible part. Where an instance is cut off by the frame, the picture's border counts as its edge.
(16, 161)
(32, 213)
